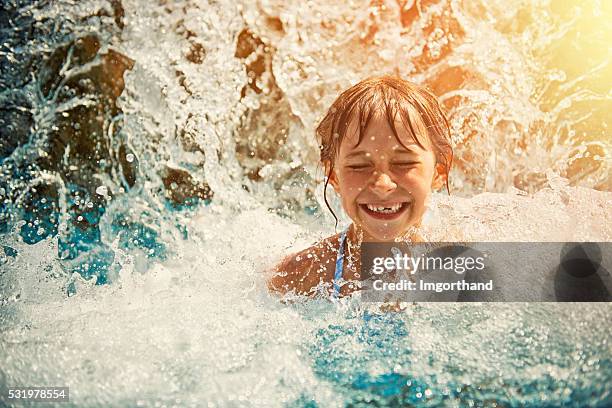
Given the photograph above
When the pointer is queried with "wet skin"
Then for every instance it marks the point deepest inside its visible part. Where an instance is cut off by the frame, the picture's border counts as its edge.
(384, 188)
(380, 172)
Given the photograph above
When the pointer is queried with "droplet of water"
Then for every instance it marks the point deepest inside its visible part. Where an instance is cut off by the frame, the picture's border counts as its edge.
(102, 190)
(129, 157)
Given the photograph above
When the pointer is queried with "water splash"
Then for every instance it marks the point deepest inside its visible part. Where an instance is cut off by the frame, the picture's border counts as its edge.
(158, 158)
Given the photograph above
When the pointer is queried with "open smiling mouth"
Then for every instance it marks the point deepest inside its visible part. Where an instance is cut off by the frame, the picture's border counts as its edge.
(388, 211)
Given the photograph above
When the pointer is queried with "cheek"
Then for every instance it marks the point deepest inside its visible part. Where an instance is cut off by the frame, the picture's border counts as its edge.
(417, 183)
(352, 183)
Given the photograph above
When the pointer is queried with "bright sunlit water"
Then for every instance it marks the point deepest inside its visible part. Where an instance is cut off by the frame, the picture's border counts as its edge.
(157, 158)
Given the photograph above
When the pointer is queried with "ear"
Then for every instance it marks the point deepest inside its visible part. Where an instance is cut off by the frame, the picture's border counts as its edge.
(439, 178)
(333, 178)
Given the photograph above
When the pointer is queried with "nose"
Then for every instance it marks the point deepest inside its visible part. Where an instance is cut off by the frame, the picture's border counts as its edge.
(383, 184)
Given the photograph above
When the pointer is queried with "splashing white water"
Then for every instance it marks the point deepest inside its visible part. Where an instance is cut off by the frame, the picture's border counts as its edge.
(199, 326)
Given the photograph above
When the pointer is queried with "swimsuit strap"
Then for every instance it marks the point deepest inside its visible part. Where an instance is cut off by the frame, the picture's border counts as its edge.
(339, 264)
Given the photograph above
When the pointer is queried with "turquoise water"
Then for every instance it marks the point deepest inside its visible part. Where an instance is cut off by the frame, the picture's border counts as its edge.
(394, 375)
(158, 159)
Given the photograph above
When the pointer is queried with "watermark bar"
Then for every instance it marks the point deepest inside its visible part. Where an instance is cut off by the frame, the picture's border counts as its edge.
(487, 272)
(37, 394)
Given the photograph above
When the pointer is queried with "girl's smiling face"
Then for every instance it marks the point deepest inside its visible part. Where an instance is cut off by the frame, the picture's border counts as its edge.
(384, 186)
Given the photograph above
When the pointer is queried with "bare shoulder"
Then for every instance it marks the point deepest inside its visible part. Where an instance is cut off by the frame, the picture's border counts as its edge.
(303, 271)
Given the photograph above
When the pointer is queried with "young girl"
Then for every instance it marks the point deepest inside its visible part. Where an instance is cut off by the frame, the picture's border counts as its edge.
(385, 144)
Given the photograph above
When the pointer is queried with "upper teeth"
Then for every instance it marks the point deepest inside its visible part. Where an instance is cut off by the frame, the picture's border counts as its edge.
(391, 209)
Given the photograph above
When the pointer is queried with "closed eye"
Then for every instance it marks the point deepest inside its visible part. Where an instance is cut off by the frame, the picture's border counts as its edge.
(405, 164)
(359, 166)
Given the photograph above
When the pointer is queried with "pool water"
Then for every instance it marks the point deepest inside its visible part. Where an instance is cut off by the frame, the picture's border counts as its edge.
(157, 159)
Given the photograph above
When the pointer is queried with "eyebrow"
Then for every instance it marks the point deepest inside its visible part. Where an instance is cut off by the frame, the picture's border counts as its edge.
(396, 150)
(356, 154)
(409, 149)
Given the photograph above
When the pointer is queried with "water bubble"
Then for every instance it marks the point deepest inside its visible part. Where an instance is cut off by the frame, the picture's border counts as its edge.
(102, 190)
(564, 104)
(129, 157)
(557, 75)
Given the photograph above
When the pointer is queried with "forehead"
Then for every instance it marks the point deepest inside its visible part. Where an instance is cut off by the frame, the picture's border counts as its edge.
(379, 136)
